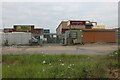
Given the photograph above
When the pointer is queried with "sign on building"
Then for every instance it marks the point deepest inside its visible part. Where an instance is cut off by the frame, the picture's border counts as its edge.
(77, 22)
(46, 30)
(23, 28)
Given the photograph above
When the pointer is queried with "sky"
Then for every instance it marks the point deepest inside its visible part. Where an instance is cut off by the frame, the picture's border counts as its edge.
(48, 15)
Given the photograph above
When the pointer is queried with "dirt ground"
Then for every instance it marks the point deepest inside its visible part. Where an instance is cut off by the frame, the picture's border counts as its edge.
(87, 49)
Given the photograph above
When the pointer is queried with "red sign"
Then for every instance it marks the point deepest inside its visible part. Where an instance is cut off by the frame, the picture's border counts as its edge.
(77, 22)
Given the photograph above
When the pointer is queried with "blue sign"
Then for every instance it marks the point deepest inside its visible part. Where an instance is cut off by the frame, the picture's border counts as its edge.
(46, 30)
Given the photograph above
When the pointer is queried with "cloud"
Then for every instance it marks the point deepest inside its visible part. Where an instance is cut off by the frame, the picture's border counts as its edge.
(58, 8)
(49, 15)
(61, 0)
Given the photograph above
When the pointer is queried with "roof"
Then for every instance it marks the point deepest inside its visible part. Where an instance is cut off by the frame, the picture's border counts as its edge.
(79, 20)
(60, 24)
(8, 28)
(23, 25)
(98, 30)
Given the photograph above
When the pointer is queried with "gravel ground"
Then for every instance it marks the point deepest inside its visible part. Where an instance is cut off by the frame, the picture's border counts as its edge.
(87, 49)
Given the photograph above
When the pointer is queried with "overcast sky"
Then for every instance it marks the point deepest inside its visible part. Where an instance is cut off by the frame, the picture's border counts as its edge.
(50, 14)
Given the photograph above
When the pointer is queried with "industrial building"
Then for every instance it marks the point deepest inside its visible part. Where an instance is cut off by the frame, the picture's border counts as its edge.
(79, 32)
(67, 32)
(75, 25)
(28, 35)
(88, 36)
(23, 35)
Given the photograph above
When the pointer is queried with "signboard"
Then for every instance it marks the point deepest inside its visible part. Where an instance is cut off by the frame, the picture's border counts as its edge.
(46, 31)
(77, 22)
(23, 28)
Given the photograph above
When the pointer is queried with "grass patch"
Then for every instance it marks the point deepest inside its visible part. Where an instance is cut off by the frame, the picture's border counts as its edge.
(57, 66)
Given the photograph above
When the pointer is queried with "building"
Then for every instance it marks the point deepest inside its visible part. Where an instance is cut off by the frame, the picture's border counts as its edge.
(37, 31)
(36, 35)
(99, 27)
(72, 37)
(28, 34)
(74, 25)
(24, 28)
(74, 32)
(62, 27)
(88, 36)
(8, 30)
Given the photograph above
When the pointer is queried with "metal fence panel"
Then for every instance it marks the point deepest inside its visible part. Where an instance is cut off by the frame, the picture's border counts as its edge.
(17, 38)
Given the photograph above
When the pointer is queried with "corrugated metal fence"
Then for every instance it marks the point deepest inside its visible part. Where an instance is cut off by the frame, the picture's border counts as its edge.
(16, 38)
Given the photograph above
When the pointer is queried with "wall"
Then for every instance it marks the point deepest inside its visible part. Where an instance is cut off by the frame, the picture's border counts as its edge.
(17, 38)
(99, 36)
(62, 25)
(77, 26)
(37, 31)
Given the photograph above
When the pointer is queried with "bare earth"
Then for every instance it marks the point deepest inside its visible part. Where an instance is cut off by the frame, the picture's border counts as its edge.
(87, 49)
